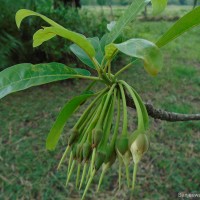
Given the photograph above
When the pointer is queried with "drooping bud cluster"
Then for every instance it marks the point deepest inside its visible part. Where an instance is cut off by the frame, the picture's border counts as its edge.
(96, 140)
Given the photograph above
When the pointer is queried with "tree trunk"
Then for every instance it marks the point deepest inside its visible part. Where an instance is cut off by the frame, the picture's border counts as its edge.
(145, 12)
(70, 3)
(111, 10)
(182, 2)
(194, 4)
(77, 3)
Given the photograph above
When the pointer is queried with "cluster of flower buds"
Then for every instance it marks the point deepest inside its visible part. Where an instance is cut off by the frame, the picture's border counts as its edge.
(96, 140)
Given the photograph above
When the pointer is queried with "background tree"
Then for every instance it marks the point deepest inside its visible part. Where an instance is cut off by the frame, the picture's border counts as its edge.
(111, 10)
(182, 2)
(195, 3)
(75, 3)
(101, 3)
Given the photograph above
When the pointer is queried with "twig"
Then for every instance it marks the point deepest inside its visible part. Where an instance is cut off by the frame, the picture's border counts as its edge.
(164, 115)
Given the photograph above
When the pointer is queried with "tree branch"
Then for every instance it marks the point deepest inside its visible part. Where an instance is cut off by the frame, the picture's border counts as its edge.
(164, 115)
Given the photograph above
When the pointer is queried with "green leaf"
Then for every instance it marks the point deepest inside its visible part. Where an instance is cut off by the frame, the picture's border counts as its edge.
(111, 25)
(42, 35)
(129, 15)
(143, 109)
(55, 29)
(146, 50)
(83, 72)
(158, 6)
(62, 118)
(84, 57)
(141, 124)
(185, 23)
(80, 40)
(25, 75)
(23, 13)
(141, 118)
(97, 46)
(110, 51)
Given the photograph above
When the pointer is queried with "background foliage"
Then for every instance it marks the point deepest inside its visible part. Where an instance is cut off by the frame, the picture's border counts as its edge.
(85, 21)
(14, 41)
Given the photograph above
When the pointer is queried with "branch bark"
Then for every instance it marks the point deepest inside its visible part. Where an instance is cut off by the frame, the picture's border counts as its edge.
(164, 115)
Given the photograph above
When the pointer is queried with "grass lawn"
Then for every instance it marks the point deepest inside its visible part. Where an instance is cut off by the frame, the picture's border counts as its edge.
(28, 171)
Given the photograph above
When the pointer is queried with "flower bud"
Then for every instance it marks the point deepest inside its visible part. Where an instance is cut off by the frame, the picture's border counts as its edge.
(112, 159)
(99, 159)
(139, 146)
(110, 154)
(74, 151)
(79, 151)
(73, 135)
(122, 144)
(87, 149)
(97, 134)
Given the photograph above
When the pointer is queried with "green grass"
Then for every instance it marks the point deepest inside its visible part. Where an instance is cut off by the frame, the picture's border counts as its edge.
(28, 171)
